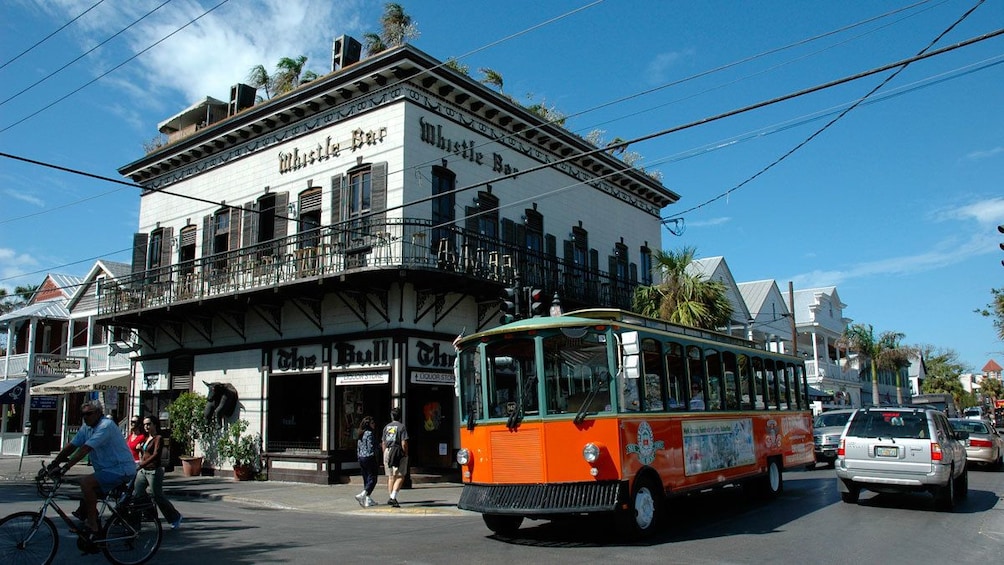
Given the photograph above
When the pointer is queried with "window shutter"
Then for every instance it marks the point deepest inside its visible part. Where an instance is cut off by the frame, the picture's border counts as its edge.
(234, 237)
(508, 231)
(378, 180)
(471, 219)
(633, 272)
(337, 187)
(140, 241)
(281, 214)
(165, 253)
(569, 253)
(310, 200)
(612, 266)
(594, 260)
(207, 236)
(250, 231)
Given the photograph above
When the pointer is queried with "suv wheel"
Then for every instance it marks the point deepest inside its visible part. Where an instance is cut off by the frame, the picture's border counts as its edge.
(944, 496)
(962, 485)
(852, 494)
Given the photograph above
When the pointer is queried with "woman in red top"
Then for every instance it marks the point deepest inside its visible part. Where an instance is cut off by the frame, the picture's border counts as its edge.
(136, 438)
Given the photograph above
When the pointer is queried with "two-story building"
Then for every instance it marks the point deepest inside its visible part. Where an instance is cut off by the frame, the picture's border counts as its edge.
(320, 251)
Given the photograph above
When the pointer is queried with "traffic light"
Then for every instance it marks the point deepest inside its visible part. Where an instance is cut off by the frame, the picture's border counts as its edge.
(535, 301)
(509, 305)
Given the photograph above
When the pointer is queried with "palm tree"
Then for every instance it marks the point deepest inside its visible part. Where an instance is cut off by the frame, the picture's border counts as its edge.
(10, 302)
(883, 352)
(684, 297)
(491, 77)
(288, 75)
(396, 28)
(259, 78)
(374, 43)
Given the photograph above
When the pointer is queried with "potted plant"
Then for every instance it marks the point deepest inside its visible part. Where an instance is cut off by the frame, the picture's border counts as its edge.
(187, 420)
(242, 448)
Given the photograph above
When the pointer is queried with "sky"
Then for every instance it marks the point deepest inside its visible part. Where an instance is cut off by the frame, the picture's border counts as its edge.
(887, 186)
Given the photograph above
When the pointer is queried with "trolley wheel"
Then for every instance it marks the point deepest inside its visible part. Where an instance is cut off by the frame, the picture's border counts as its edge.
(645, 511)
(502, 524)
(40, 533)
(771, 485)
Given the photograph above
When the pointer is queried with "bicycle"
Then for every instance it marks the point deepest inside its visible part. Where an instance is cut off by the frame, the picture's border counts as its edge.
(130, 531)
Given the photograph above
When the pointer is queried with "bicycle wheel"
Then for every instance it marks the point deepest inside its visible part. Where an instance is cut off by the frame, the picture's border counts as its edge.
(27, 537)
(131, 540)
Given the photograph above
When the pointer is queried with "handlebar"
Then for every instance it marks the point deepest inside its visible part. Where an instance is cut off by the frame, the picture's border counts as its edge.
(48, 480)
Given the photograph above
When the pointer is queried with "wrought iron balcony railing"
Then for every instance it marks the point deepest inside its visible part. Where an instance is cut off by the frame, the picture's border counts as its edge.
(355, 247)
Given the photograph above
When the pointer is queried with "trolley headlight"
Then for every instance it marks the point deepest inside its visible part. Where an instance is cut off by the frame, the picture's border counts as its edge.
(463, 456)
(591, 452)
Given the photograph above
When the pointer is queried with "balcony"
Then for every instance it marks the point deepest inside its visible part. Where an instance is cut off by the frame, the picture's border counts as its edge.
(14, 365)
(819, 370)
(348, 251)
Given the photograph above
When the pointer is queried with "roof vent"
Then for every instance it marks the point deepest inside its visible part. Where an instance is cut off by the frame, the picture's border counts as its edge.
(345, 51)
(241, 97)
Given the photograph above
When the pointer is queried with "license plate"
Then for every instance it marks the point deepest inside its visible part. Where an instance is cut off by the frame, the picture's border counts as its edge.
(885, 452)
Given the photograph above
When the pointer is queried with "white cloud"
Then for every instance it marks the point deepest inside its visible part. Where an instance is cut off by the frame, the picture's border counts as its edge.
(986, 212)
(30, 199)
(14, 265)
(710, 222)
(944, 255)
(658, 67)
(985, 154)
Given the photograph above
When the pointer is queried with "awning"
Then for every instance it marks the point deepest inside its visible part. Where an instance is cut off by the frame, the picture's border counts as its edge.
(111, 380)
(12, 391)
(816, 393)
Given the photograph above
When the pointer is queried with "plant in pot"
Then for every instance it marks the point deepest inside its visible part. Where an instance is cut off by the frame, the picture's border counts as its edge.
(242, 448)
(187, 420)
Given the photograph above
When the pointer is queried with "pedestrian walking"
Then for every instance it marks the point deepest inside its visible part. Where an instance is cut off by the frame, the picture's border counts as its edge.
(135, 438)
(366, 453)
(150, 475)
(394, 442)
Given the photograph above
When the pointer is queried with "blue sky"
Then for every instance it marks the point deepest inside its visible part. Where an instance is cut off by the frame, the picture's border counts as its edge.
(896, 203)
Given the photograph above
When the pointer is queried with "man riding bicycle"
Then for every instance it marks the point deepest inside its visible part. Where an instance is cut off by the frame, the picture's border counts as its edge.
(113, 464)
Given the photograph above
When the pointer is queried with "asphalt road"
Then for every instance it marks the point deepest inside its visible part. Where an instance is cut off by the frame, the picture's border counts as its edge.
(808, 524)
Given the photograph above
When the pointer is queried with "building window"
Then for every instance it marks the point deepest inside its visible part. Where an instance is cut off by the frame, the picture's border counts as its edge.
(620, 263)
(266, 218)
(309, 220)
(156, 247)
(221, 231)
(646, 266)
(360, 193)
(186, 250)
(443, 216)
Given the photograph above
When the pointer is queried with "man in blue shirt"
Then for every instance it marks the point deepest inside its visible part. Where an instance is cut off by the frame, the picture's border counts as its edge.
(113, 464)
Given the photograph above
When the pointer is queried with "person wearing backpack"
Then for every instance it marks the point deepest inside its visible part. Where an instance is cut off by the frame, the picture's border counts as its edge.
(394, 443)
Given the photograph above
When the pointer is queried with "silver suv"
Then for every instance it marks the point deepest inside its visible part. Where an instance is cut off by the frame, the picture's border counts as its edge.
(902, 449)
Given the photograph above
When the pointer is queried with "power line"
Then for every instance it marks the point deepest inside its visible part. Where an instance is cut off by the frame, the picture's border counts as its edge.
(826, 126)
(646, 137)
(44, 39)
(111, 70)
(81, 56)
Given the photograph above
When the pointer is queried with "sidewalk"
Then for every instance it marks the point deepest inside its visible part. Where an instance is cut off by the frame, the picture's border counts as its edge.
(424, 498)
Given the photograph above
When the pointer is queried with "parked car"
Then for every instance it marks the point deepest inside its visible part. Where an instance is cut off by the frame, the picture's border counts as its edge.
(892, 449)
(826, 430)
(974, 413)
(985, 444)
